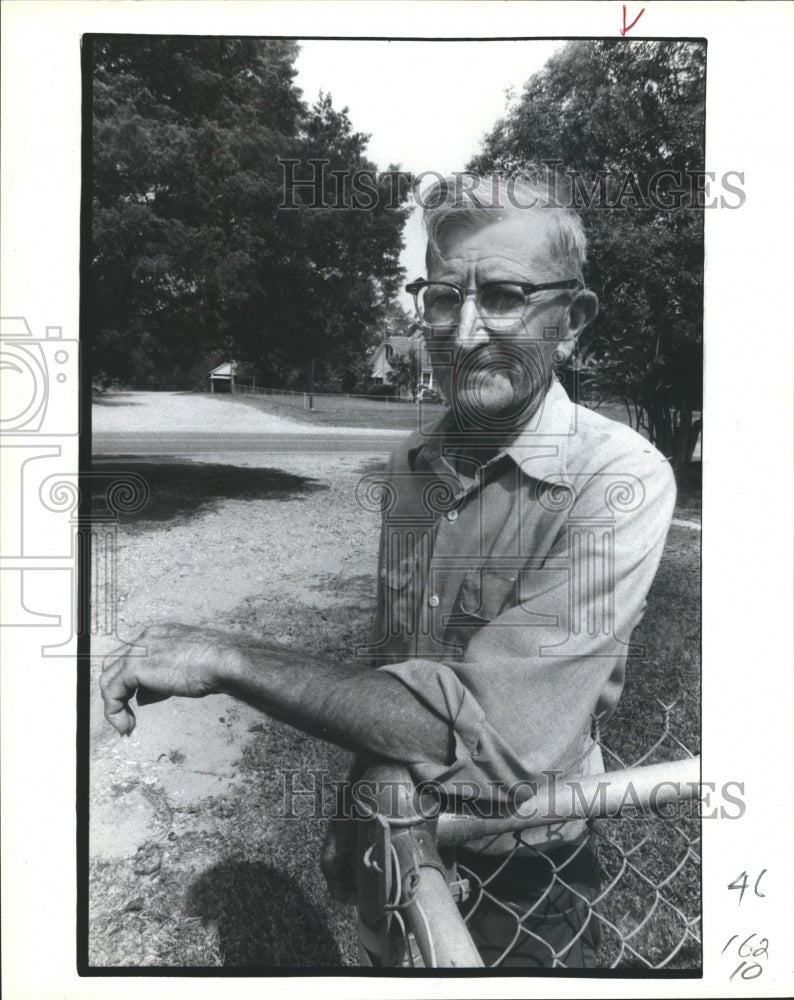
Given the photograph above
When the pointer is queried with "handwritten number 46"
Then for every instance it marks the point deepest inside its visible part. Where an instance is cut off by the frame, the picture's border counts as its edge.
(741, 883)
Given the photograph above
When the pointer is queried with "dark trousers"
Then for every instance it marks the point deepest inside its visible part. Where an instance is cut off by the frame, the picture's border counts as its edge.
(535, 911)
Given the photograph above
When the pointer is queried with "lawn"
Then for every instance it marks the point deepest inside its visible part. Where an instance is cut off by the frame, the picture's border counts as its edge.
(334, 410)
(331, 410)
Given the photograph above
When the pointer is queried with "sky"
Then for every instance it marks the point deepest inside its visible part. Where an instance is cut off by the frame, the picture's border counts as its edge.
(426, 105)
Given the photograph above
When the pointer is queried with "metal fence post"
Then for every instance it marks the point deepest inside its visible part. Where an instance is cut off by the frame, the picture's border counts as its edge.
(404, 898)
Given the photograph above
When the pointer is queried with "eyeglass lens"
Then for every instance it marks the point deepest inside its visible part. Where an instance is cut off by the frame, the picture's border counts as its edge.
(499, 304)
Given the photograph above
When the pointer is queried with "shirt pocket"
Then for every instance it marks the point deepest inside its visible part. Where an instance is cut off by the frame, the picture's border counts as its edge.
(486, 593)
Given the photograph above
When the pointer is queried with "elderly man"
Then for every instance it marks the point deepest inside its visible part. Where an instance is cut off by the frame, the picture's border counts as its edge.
(521, 534)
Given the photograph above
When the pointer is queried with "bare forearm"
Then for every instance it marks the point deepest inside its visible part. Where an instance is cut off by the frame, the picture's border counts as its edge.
(360, 709)
(350, 705)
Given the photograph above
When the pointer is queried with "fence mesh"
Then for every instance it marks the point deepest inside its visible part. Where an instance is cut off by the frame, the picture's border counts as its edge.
(328, 402)
(624, 894)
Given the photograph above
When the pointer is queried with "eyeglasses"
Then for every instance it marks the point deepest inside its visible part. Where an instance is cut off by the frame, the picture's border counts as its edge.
(501, 305)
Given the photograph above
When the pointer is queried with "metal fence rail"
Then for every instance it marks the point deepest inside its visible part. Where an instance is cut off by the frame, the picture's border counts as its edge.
(422, 904)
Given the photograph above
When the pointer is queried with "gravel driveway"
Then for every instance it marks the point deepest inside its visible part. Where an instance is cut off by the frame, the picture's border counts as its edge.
(187, 412)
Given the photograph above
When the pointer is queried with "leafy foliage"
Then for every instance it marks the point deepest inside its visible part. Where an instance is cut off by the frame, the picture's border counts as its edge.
(604, 110)
(193, 250)
(406, 371)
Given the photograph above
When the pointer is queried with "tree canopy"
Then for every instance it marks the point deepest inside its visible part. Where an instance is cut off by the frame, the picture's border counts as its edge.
(609, 117)
(196, 251)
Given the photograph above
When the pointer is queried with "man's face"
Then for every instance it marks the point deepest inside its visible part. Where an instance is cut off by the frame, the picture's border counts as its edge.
(497, 379)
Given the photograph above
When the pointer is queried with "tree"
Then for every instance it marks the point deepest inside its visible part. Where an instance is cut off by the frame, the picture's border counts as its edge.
(406, 371)
(193, 248)
(350, 260)
(612, 115)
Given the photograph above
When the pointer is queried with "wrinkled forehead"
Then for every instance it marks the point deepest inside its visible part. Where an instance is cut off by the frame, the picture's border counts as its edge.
(528, 239)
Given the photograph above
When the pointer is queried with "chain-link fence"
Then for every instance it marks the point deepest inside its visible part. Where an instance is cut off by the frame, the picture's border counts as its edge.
(333, 402)
(619, 888)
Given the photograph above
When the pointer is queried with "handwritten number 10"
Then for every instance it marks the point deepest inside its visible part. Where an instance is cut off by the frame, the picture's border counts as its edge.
(741, 882)
(753, 968)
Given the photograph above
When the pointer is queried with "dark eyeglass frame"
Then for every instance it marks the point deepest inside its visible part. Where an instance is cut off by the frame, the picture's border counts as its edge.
(415, 287)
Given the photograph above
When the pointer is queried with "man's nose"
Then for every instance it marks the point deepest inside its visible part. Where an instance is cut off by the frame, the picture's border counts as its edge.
(471, 329)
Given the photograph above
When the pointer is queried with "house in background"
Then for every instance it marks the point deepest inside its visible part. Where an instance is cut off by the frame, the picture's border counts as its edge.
(222, 377)
(393, 347)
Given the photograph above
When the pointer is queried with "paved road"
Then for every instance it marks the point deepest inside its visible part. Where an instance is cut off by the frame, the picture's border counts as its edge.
(159, 443)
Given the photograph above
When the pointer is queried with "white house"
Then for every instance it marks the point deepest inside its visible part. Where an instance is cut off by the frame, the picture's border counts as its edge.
(222, 377)
(387, 350)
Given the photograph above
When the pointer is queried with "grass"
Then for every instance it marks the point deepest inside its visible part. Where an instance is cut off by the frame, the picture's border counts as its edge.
(240, 885)
(339, 411)
(654, 921)
(359, 411)
(646, 920)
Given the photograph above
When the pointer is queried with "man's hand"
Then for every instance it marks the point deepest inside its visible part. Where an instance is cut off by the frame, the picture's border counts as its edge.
(179, 660)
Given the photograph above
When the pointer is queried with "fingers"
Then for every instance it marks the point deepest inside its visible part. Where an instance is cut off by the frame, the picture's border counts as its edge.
(117, 690)
(119, 682)
(165, 660)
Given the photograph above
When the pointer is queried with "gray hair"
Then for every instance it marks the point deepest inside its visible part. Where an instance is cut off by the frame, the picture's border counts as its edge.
(491, 198)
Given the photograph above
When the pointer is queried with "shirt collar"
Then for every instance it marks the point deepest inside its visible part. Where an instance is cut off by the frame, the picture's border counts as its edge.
(540, 449)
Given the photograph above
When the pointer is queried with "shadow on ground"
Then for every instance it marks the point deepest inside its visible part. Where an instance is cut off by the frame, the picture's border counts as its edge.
(264, 918)
(185, 489)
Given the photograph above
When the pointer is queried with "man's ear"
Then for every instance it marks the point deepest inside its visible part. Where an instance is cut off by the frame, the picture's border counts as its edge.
(582, 310)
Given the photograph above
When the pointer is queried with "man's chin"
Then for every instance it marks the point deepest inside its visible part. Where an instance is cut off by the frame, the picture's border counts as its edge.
(491, 400)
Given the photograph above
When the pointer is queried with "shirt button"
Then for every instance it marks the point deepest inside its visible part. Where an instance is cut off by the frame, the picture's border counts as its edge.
(452, 515)
(434, 601)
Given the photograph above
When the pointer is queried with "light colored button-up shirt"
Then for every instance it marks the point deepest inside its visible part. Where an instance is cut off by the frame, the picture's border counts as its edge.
(509, 589)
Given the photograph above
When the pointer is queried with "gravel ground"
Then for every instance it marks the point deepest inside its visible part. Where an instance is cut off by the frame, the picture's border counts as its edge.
(279, 557)
(186, 412)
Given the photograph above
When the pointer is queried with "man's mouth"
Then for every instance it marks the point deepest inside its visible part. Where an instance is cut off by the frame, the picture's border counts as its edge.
(488, 379)
(484, 371)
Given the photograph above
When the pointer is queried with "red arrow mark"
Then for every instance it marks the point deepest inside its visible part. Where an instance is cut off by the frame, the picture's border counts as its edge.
(628, 27)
